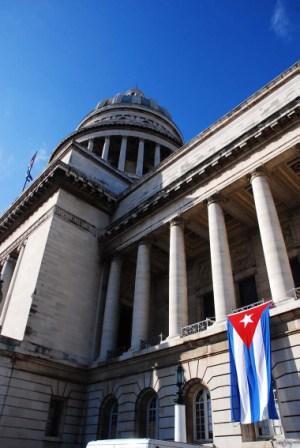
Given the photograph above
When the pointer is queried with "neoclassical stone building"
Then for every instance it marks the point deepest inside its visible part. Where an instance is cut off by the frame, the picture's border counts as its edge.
(122, 259)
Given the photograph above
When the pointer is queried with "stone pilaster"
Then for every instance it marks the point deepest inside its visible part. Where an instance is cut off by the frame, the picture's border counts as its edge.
(275, 253)
(222, 278)
(141, 300)
(178, 303)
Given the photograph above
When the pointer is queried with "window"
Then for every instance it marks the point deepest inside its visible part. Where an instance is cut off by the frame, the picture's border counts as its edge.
(131, 155)
(98, 146)
(208, 305)
(55, 417)
(108, 420)
(247, 291)
(114, 150)
(295, 266)
(147, 414)
(202, 417)
(164, 152)
(149, 150)
(198, 413)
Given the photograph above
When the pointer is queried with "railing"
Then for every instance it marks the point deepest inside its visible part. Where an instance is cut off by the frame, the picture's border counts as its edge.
(197, 327)
(155, 340)
(247, 307)
(294, 293)
(115, 353)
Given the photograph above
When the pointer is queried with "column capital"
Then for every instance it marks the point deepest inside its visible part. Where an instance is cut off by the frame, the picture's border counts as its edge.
(116, 257)
(216, 197)
(260, 171)
(178, 221)
(145, 241)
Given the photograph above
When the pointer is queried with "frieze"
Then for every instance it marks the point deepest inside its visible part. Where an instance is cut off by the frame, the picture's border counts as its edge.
(23, 237)
(73, 219)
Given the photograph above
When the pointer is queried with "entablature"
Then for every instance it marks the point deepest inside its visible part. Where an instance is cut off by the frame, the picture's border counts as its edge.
(270, 129)
(57, 175)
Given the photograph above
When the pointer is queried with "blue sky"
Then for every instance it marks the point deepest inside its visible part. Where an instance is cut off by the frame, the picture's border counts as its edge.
(198, 58)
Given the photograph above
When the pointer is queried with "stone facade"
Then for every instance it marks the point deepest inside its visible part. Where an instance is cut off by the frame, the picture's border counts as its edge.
(122, 259)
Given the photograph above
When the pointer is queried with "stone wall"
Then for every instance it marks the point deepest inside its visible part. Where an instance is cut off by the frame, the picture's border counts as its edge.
(24, 407)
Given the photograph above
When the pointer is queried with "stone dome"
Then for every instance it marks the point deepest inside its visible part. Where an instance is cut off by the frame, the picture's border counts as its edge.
(129, 131)
(133, 108)
(134, 96)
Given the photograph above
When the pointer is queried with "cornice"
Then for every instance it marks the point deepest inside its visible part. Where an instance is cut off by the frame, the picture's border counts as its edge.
(57, 175)
(115, 124)
(245, 143)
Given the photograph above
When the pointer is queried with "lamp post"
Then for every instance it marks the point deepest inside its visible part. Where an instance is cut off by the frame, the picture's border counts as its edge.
(180, 418)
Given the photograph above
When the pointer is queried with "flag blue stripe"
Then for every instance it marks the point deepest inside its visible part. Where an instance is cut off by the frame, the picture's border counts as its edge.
(252, 383)
(265, 326)
(234, 389)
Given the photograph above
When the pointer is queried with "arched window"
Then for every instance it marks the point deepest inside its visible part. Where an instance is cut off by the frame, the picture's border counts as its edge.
(147, 414)
(108, 419)
(198, 413)
(202, 416)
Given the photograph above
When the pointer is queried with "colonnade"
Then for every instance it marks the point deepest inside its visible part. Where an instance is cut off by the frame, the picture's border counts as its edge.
(276, 259)
(123, 153)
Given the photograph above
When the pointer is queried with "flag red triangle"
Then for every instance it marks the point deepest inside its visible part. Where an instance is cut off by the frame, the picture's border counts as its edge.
(245, 322)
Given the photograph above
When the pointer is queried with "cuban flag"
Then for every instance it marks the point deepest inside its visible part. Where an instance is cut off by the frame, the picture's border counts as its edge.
(29, 168)
(252, 398)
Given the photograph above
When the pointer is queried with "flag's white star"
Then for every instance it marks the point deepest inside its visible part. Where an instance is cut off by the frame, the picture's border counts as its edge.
(247, 319)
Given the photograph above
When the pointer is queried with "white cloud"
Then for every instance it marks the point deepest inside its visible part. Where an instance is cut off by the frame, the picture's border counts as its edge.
(280, 21)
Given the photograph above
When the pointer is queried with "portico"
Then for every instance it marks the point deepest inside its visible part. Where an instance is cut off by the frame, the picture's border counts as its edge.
(205, 256)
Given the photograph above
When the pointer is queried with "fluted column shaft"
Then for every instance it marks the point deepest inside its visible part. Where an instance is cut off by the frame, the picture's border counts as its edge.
(112, 309)
(91, 145)
(140, 159)
(141, 302)
(222, 278)
(178, 303)
(105, 150)
(275, 253)
(122, 157)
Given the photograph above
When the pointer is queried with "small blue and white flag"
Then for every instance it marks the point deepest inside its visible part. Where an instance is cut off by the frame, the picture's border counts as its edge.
(252, 398)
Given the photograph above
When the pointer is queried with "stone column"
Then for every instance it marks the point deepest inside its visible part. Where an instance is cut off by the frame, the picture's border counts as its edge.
(178, 303)
(6, 274)
(222, 278)
(91, 145)
(112, 309)
(275, 253)
(141, 301)
(122, 157)
(11, 284)
(157, 154)
(105, 149)
(140, 159)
